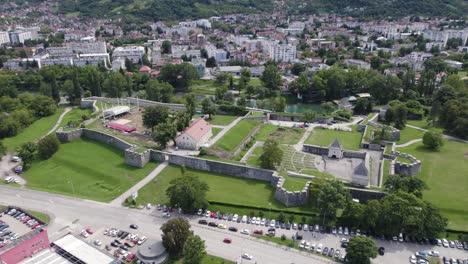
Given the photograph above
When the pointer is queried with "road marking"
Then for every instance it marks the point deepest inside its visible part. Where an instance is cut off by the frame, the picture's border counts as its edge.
(75, 221)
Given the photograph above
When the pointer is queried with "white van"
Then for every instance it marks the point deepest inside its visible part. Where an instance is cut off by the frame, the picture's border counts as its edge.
(15, 159)
(9, 179)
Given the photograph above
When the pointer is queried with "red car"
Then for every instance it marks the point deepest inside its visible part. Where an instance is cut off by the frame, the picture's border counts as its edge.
(258, 232)
(26, 219)
(89, 231)
(212, 214)
(35, 226)
(130, 257)
(227, 240)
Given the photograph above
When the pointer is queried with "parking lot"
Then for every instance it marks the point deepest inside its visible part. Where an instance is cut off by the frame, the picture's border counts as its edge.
(394, 251)
(14, 224)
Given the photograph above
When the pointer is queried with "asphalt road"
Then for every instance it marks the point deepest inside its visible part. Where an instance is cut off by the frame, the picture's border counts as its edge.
(70, 213)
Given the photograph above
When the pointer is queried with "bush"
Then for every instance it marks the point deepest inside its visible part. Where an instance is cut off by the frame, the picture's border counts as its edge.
(283, 237)
(233, 109)
(47, 146)
(433, 140)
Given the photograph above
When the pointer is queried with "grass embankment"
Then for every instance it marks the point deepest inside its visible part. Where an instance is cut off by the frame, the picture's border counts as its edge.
(408, 133)
(219, 120)
(215, 131)
(236, 134)
(41, 216)
(36, 130)
(253, 159)
(75, 116)
(444, 172)
(282, 135)
(231, 191)
(317, 173)
(349, 140)
(87, 169)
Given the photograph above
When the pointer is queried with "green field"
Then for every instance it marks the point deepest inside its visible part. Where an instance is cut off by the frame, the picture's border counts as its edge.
(86, 169)
(408, 133)
(41, 216)
(253, 159)
(75, 116)
(445, 173)
(219, 120)
(236, 134)
(324, 137)
(215, 131)
(225, 189)
(34, 131)
(282, 135)
(208, 259)
(317, 173)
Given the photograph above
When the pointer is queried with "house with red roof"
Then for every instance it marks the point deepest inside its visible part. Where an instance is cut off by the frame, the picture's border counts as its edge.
(145, 70)
(195, 135)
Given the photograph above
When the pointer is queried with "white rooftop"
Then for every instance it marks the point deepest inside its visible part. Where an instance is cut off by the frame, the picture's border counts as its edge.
(82, 250)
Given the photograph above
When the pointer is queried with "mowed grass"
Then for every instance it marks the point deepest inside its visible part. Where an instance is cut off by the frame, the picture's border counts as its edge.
(282, 135)
(36, 130)
(215, 131)
(41, 216)
(75, 116)
(445, 172)
(87, 169)
(208, 259)
(324, 137)
(219, 120)
(236, 134)
(408, 133)
(222, 188)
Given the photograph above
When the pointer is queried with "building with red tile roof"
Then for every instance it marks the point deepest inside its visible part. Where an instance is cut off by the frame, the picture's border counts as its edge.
(195, 135)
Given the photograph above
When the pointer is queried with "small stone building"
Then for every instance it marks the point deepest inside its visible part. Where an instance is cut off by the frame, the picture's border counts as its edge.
(195, 135)
(361, 175)
(335, 150)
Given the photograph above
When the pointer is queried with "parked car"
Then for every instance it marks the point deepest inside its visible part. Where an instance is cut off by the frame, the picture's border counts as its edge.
(97, 243)
(213, 224)
(245, 231)
(133, 226)
(258, 232)
(381, 251)
(247, 256)
(227, 240)
(232, 229)
(202, 222)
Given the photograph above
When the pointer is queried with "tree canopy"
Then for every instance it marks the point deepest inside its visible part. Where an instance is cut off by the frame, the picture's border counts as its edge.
(175, 233)
(188, 193)
(272, 155)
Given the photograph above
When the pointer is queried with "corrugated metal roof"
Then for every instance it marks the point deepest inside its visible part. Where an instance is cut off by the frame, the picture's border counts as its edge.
(82, 250)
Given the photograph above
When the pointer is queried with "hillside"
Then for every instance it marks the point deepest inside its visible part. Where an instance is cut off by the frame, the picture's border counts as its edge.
(168, 10)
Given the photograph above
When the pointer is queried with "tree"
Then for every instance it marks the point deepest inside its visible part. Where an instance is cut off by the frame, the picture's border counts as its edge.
(405, 183)
(353, 214)
(166, 47)
(297, 68)
(208, 107)
(175, 233)
(309, 117)
(272, 155)
(211, 62)
(190, 104)
(154, 115)
(281, 217)
(432, 139)
(220, 92)
(331, 197)
(194, 250)
(47, 146)
(188, 193)
(26, 153)
(159, 91)
(278, 104)
(360, 250)
(400, 116)
(244, 79)
(180, 76)
(271, 77)
(163, 133)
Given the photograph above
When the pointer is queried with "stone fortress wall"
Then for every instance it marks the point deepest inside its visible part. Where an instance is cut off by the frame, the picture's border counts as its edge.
(140, 159)
(85, 103)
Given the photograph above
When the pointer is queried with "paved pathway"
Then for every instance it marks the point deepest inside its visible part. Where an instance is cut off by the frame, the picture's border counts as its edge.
(119, 200)
(251, 150)
(411, 142)
(57, 124)
(222, 132)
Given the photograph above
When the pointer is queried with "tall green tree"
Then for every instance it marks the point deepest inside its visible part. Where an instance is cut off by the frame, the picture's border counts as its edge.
(272, 155)
(271, 77)
(175, 233)
(278, 104)
(405, 183)
(208, 107)
(331, 197)
(190, 103)
(26, 152)
(194, 250)
(47, 146)
(244, 79)
(188, 193)
(309, 117)
(166, 47)
(360, 250)
(180, 76)
(163, 133)
(154, 115)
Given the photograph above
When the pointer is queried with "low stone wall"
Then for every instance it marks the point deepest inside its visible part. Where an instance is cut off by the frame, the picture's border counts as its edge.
(394, 132)
(65, 137)
(377, 147)
(88, 103)
(364, 195)
(296, 118)
(106, 138)
(137, 159)
(354, 154)
(412, 168)
(246, 140)
(289, 198)
(315, 149)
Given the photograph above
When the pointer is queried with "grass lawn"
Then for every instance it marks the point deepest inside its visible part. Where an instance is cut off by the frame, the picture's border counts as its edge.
(225, 189)
(324, 137)
(86, 169)
(215, 131)
(408, 134)
(445, 174)
(75, 116)
(317, 173)
(34, 131)
(208, 259)
(219, 120)
(282, 135)
(253, 159)
(294, 183)
(235, 135)
(257, 114)
(41, 216)
(386, 170)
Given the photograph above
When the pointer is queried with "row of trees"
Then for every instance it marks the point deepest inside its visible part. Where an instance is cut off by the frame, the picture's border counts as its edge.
(45, 148)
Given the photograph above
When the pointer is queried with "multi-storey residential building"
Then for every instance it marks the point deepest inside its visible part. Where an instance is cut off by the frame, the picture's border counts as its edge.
(179, 51)
(133, 53)
(22, 34)
(4, 37)
(283, 52)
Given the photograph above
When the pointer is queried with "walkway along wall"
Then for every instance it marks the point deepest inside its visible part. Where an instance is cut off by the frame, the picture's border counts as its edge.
(140, 159)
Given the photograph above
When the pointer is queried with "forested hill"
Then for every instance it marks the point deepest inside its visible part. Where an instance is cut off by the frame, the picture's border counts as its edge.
(168, 10)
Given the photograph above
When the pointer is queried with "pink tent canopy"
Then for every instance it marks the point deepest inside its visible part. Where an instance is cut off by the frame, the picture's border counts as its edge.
(121, 127)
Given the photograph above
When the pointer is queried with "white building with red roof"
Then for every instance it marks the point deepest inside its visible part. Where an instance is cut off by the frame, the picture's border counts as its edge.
(195, 135)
